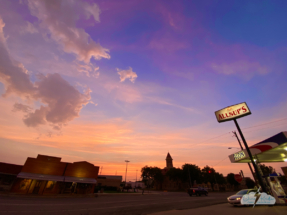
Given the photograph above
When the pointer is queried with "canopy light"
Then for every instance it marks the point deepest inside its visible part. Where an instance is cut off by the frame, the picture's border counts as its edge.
(285, 159)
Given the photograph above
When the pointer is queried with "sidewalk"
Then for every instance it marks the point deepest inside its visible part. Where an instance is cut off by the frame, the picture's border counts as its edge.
(227, 209)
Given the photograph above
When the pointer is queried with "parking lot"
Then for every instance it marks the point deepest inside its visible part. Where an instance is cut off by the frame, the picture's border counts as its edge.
(108, 204)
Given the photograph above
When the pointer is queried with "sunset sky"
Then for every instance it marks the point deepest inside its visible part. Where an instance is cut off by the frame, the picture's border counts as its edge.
(113, 80)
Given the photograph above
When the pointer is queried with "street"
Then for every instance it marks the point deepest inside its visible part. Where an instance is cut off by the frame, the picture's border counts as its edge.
(227, 209)
(108, 204)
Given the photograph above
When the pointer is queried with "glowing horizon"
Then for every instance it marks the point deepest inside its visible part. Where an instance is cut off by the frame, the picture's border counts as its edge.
(106, 81)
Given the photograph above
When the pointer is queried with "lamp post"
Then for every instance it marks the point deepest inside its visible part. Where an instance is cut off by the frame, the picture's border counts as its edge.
(126, 171)
(136, 178)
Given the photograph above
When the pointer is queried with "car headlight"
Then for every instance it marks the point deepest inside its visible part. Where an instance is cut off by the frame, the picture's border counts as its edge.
(238, 198)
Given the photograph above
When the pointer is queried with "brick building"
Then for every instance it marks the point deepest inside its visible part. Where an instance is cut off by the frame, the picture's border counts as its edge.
(46, 175)
(109, 180)
(8, 174)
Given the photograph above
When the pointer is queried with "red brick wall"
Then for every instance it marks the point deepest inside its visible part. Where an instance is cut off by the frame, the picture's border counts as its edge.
(82, 169)
(42, 166)
(48, 158)
(10, 168)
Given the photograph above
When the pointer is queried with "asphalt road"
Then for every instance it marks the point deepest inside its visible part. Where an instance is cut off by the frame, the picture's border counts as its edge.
(227, 209)
(107, 204)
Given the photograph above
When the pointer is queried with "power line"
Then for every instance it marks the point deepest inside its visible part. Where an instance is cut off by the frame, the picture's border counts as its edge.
(264, 124)
(264, 128)
(210, 139)
(220, 161)
(242, 129)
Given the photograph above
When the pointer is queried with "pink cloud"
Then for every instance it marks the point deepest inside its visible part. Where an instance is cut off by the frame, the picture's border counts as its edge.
(60, 17)
(21, 107)
(165, 43)
(127, 74)
(63, 101)
(124, 93)
(244, 68)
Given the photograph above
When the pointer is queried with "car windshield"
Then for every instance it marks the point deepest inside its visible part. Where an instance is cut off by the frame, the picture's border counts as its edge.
(242, 192)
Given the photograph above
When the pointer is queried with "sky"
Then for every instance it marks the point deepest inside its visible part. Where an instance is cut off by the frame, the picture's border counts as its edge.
(107, 81)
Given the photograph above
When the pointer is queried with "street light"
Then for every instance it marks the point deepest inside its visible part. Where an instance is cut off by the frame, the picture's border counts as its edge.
(136, 177)
(126, 172)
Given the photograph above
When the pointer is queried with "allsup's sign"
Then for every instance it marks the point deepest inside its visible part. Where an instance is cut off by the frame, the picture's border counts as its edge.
(232, 112)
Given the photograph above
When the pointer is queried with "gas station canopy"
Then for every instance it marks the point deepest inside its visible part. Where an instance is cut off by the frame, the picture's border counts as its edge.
(273, 149)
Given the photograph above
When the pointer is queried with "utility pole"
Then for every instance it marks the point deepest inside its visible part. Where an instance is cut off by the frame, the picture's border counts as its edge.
(189, 176)
(126, 171)
(235, 134)
(101, 170)
(136, 179)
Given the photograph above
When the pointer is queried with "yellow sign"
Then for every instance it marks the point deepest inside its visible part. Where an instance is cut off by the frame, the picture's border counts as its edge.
(239, 155)
(232, 112)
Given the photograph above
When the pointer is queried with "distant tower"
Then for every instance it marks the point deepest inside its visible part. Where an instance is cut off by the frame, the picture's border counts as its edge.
(168, 161)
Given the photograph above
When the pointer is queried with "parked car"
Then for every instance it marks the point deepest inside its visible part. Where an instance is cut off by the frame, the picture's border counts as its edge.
(236, 198)
(198, 191)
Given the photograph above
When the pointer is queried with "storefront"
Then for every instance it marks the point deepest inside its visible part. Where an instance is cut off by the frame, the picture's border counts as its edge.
(46, 175)
(273, 149)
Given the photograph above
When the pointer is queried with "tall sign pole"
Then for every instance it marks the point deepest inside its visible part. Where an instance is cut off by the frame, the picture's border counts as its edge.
(232, 113)
(251, 158)
(126, 171)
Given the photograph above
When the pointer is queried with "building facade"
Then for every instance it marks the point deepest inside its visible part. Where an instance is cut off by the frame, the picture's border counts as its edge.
(47, 175)
(8, 174)
(109, 181)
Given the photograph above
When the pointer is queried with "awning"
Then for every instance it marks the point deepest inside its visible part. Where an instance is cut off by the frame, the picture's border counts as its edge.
(273, 149)
(40, 176)
(80, 180)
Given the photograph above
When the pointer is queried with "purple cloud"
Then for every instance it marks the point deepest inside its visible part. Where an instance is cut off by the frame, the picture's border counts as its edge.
(62, 101)
(60, 17)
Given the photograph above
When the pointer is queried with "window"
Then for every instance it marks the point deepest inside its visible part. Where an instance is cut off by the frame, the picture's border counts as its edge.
(50, 185)
(242, 192)
(24, 184)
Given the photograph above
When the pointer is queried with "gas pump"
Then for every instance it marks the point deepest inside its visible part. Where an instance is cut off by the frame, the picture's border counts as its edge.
(276, 188)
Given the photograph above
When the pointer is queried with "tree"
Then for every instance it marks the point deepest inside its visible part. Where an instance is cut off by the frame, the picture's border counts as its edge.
(175, 174)
(266, 170)
(210, 175)
(191, 173)
(219, 178)
(231, 180)
(249, 183)
(150, 175)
